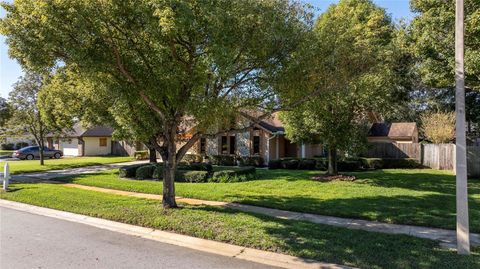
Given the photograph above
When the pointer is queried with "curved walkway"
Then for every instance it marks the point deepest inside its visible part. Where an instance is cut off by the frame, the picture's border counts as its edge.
(447, 237)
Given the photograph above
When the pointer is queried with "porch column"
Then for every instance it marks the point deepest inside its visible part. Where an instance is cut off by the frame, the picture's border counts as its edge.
(303, 150)
(277, 148)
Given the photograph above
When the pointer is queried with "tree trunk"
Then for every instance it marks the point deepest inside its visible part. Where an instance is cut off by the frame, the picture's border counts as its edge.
(170, 162)
(153, 155)
(332, 160)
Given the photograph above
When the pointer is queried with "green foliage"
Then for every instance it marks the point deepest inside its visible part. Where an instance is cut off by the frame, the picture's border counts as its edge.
(144, 172)
(193, 158)
(197, 167)
(5, 111)
(225, 160)
(141, 154)
(347, 67)
(192, 176)
(401, 163)
(237, 175)
(433, 34)
(256, 161)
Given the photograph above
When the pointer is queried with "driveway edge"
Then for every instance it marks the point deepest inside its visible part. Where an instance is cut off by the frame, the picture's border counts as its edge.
(210, 246)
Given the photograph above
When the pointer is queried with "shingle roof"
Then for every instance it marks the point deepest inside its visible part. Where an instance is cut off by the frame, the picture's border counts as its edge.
(395, 129)
(79, 131)
(98, 131)
(272, 124)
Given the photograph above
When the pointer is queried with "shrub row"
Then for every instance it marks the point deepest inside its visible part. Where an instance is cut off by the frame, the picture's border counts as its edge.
(229, 160)
(193, 158)
(194, 173)
(11, 146)
(141, 154)
(238, 175)
(357, 164)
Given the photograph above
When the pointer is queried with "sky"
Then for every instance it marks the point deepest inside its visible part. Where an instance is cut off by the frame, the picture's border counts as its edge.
(10, 70)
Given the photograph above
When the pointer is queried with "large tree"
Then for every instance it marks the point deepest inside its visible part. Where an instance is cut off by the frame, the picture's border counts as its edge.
(432, 32)
(5, 112)
(348, 59)
(201, 60)
(26, 115)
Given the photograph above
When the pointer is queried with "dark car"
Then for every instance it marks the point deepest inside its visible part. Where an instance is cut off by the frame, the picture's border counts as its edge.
(32, 152)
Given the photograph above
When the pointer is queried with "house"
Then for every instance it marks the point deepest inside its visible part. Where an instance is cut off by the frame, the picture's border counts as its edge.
(266, 139)
(396, 132)
(83, 142)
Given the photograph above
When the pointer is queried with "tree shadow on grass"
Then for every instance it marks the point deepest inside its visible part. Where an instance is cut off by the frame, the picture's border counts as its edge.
(432, 210)
(352, 247)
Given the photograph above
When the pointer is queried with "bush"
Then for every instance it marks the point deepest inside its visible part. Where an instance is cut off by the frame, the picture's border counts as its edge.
(372, 163)
(321, 164)
(225, 160)
(158, 172)
(141, 155)
(196, 167)
(401, 163)
(290, 163)
(129, 171)
(192, 158)
(274, 164)
(8, 146)
(349, 165)
(238, 175)
(192, 176)
(145, 172)
(256, 161)
(306, 164)
(21, 145)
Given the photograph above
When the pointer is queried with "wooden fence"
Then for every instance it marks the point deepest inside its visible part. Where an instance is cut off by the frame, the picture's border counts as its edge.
(437, 156)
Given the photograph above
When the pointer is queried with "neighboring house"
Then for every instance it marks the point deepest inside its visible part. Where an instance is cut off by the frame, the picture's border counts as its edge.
(83, 142)
(396, 132)
(266, 139)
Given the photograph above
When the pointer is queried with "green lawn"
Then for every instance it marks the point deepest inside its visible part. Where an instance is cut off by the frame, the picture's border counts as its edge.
(303, 239)
(418, 197)
(5, 152)
(25, 166)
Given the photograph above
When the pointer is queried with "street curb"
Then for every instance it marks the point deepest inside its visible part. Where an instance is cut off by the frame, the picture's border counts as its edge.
(210, 246)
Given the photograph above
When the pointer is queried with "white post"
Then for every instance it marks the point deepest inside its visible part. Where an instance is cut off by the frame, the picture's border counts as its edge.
(303, 150)
(6, 176)
(463, 234)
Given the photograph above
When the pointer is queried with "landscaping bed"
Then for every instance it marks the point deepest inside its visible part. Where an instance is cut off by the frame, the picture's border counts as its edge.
(344, 165)
(303, 239)
(192, 173)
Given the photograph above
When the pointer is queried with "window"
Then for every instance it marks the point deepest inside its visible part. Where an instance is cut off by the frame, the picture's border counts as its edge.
(203, 145)
(103, 142)
(224, 145)
(232, 145)
(256, 144)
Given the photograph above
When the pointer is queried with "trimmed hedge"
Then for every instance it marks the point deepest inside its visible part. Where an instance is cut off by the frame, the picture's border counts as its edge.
(129, 170)
(224, 160)
(145, 172)
(238, 175)
(256, 161)
(196, 167)
(352, 164)
(191, 176)
(8, 146)
(192, 158)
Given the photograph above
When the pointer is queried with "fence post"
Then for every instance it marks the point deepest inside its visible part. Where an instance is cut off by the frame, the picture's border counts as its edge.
(6, 176)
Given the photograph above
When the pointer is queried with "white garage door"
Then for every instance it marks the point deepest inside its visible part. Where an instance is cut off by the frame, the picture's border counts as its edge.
(69, 147)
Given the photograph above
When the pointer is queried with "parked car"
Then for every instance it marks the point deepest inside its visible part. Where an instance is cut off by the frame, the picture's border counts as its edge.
(32, 152)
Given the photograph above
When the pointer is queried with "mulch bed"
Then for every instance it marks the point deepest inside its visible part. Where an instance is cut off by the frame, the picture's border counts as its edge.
(327, 178)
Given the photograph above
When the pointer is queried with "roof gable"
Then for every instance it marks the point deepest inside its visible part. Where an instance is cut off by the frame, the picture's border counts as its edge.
(395, 129)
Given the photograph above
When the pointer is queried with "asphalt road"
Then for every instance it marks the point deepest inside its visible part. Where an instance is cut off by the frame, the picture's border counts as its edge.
(34, 241)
